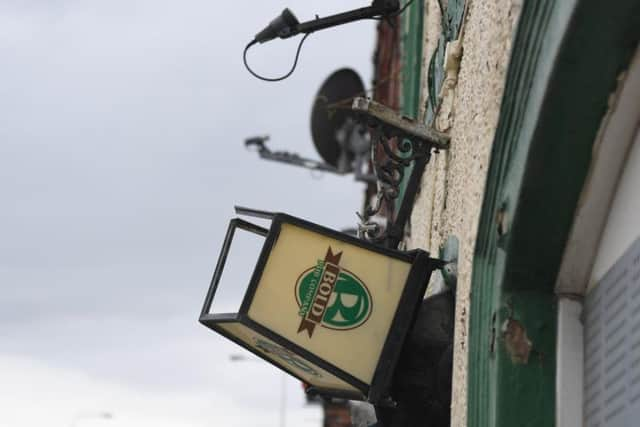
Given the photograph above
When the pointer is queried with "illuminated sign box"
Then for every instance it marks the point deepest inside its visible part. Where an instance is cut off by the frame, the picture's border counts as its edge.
(324, 306)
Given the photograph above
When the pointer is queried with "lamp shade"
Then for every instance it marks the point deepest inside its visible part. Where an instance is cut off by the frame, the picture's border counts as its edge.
(326, 307)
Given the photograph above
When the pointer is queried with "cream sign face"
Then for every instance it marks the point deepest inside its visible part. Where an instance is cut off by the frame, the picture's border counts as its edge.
(331, 297)
(335, 299)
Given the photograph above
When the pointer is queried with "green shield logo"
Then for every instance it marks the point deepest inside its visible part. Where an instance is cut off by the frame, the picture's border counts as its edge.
(349, 304)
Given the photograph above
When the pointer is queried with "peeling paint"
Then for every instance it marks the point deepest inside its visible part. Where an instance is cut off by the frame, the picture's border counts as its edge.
(516, 341)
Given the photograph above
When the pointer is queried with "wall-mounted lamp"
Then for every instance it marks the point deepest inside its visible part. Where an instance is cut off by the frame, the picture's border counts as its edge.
(286, 25)
(324, 306)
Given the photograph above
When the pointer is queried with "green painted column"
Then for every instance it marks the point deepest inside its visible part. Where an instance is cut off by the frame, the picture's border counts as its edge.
(412, 43)
(556, 95)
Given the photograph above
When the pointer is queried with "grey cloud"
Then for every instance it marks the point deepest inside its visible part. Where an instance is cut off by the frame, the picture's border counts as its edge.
(121, 127)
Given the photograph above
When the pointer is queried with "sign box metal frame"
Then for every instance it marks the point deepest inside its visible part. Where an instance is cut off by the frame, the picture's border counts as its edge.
(378, 391)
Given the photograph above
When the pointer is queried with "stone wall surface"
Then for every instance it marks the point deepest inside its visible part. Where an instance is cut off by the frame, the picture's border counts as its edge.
(452, 187)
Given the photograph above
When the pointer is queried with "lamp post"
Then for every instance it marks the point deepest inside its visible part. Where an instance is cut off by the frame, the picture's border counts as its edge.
(283, 389)
(99, 415)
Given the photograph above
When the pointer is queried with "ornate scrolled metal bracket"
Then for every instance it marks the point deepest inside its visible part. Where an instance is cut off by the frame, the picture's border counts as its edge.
(414, 142)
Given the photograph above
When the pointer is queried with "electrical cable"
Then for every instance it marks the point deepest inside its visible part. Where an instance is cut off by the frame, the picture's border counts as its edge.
(273, 79)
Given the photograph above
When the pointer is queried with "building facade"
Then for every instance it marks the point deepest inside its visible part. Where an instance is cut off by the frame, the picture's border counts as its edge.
(540, 187)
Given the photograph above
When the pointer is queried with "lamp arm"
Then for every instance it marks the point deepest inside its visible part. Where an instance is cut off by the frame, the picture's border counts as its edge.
(297, 160)
(377, 8)
(259, 142)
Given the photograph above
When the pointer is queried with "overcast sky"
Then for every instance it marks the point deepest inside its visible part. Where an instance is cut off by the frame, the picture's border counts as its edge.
(121, 157)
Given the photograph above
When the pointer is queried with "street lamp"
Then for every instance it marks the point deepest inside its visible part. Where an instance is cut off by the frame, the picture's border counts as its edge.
(324, 306)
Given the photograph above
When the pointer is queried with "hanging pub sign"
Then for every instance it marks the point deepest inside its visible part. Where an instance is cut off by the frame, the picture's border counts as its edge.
(324, 306)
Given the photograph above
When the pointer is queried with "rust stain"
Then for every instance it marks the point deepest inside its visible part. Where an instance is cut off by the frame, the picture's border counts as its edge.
(516, 341)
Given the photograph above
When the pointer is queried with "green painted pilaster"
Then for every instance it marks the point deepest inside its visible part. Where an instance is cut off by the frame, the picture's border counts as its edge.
(412, 41)
(560, 76)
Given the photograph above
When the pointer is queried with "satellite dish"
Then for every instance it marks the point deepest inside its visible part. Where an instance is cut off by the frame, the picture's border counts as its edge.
(336, 134)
